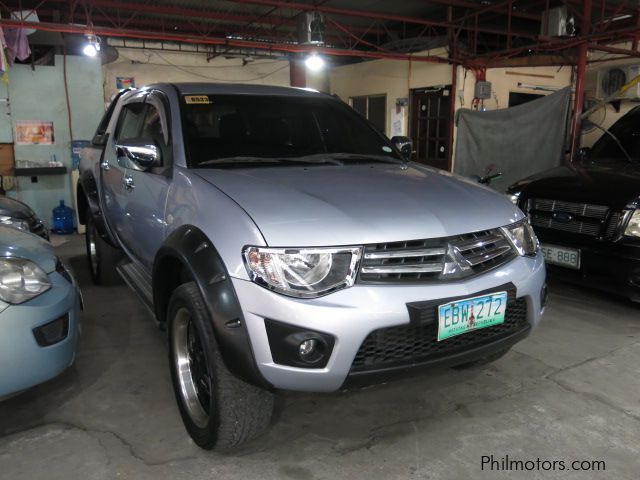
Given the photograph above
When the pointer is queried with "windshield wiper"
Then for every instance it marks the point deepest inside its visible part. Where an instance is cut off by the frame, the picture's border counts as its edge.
(247, 159)
(364, 157)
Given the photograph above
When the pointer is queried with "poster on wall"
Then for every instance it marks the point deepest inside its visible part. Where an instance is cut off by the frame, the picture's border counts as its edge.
(125, 82)
(30, 132)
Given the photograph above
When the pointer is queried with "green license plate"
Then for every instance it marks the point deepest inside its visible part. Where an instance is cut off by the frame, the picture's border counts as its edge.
(470, 314)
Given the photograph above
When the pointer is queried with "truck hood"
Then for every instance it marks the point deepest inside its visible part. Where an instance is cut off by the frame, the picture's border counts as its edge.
(614, 185)
(16, 243)
(360, 204)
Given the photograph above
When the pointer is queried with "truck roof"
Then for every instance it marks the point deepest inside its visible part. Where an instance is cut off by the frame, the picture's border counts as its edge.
(199, 88)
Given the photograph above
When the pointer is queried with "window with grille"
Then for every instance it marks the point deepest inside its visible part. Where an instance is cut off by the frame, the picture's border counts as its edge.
(373, 108)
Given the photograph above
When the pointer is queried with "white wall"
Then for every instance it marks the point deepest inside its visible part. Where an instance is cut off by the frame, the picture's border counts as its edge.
(152, 66)
(396, 78)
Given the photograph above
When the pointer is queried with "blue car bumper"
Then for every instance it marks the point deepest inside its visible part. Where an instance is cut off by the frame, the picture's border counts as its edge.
(27, 355)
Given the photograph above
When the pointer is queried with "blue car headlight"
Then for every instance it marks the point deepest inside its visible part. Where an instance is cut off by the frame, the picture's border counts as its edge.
(18, 223)
(21, 280)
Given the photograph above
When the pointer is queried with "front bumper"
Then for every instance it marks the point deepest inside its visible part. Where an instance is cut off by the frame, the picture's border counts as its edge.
(23, 362)
(612, 267)
(350, 315)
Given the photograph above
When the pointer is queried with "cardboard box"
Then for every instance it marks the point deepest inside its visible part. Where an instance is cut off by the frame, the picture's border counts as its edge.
(7, 160)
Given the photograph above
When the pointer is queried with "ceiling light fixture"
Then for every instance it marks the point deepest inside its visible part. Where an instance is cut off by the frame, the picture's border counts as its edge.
(92, 47)
(314, 62)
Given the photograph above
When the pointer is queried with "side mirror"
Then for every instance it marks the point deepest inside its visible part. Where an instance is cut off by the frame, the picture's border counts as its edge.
(143, 154)
(404, 144)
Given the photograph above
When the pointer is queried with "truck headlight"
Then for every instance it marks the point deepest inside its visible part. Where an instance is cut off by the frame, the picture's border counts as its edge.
(522, 237)
(633, 228)
(303, 272)
(514, 197)
(21, 280)
(14, 222)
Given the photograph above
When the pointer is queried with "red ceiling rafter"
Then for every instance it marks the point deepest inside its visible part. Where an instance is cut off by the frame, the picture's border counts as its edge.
(183, 26)
(384, 16)
(206, 14)
(472, 6)
(204, 40)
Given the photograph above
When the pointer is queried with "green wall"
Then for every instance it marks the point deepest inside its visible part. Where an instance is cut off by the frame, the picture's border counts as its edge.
(40, 95)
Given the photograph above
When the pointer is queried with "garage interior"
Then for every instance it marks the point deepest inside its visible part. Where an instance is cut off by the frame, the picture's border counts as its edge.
(567, 392)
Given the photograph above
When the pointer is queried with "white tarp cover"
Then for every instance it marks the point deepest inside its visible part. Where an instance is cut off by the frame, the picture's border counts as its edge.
(519, 141)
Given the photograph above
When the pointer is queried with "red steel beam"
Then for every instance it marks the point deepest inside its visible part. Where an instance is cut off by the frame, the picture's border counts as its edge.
(608, 49)
(473, 6)
(606, 7)
(555, 44)
(184, 27)
(185, 12)
(205, 40)
(384, 16)
(581, 71)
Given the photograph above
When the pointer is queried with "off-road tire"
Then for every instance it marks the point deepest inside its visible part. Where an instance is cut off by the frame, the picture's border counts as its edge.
(103, 259)
(237, 411)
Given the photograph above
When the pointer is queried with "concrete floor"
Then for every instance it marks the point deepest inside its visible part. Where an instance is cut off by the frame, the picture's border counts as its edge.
(571, 391)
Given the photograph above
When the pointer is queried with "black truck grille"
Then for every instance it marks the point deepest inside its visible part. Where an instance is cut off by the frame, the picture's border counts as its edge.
(579, 218)
(406, 345)
(424, 260)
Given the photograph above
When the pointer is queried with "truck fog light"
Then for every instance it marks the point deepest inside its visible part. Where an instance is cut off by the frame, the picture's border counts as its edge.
(308, 349)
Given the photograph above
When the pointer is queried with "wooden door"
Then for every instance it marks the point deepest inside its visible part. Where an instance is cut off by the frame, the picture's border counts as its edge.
(430, 120)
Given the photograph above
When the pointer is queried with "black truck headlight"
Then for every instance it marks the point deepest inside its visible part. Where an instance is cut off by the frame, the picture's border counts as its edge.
(21, 280)
(522, 237)
(303, 272)
(633, 227)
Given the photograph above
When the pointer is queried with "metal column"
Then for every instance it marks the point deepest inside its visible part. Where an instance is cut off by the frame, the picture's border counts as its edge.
(585, 28)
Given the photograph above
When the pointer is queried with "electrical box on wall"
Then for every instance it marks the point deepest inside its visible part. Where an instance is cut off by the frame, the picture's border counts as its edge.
(482, 90)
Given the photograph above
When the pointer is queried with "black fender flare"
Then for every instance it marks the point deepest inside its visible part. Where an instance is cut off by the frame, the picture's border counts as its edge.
(188, 250)
(88, 200)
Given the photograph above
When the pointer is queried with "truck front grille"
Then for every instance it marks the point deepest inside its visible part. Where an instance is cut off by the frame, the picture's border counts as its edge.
(406, 345)
(579, 218)
(424, 260)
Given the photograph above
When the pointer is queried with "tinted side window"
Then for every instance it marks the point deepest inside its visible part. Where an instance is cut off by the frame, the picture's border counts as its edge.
(99, 137)
(129, 122)
(627, 131)
(153, 129)
(152, 126)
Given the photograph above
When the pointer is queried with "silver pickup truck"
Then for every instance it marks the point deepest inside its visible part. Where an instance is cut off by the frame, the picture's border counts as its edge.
(285, 244)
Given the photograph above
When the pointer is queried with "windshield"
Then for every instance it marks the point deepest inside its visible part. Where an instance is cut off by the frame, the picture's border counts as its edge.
(627, 132)
(223, 130)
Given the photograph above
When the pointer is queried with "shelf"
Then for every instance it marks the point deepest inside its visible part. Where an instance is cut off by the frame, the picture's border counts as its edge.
(37, 171)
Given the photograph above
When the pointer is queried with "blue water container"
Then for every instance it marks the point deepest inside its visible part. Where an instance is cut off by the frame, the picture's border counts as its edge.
(63, 218)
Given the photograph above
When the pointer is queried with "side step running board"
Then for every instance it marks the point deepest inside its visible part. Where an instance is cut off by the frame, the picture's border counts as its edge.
(138, 280)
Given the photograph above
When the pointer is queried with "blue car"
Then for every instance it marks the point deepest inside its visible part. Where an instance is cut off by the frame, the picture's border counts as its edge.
(39, 312)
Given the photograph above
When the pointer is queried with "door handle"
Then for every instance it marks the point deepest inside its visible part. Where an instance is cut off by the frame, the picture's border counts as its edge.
(128, 183)
(104, 165)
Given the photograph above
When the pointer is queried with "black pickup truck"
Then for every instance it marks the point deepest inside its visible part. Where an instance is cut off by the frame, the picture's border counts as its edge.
(587, 214)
